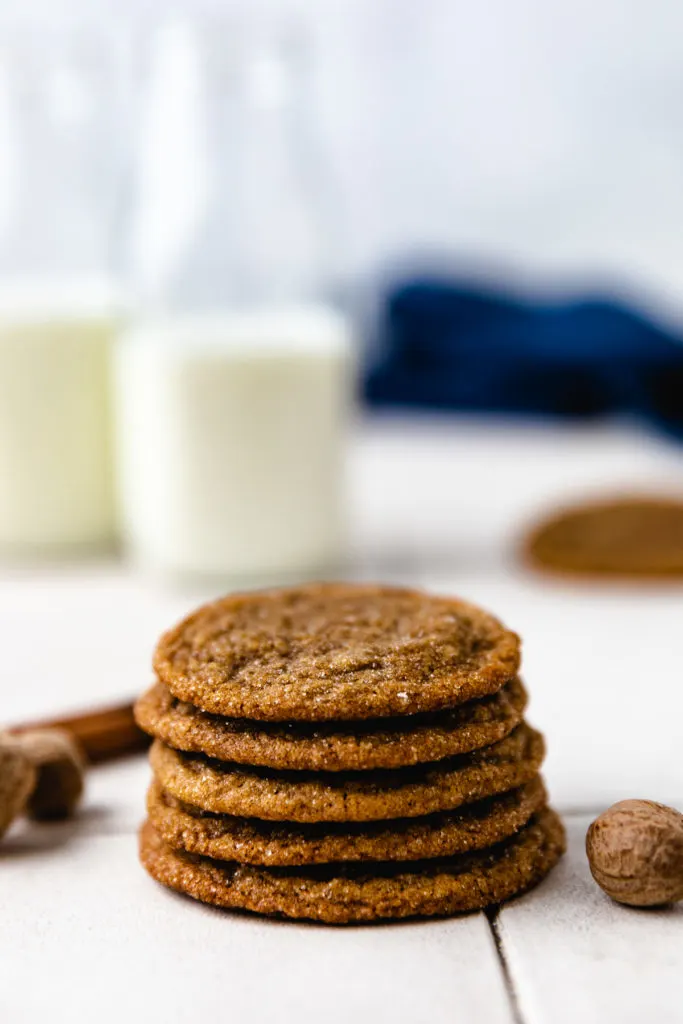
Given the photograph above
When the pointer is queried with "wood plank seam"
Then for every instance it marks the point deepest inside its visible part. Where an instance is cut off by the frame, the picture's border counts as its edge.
(513, 997)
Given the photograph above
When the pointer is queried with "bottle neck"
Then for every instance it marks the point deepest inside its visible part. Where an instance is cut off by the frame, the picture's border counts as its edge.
(256, 232)
(62, 111)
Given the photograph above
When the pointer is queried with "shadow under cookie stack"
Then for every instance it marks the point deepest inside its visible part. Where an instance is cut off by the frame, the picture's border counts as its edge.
(344, 754)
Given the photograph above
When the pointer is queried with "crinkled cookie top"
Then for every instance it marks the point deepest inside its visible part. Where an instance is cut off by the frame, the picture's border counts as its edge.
(335, 651)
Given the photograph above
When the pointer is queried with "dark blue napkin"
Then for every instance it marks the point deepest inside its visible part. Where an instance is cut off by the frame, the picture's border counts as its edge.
(449, 346)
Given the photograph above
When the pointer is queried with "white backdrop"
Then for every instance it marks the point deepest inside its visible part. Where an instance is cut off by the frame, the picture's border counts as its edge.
(547, 136)
(533, 136)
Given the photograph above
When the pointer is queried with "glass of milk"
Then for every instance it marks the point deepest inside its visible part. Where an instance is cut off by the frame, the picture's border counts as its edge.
(56, 488)
(230, 439)
(233, 382)
(61, 96)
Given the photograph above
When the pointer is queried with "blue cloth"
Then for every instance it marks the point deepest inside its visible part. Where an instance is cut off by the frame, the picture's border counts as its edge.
(446, 346)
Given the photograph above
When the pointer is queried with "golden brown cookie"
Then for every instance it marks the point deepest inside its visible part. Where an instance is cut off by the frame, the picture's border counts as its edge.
(344, 894)
(251, 841)
(622, 537)
(349, 796)
(333, 746)
(335, 651)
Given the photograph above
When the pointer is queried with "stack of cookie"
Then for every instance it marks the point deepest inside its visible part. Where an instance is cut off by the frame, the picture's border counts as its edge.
(344, 753)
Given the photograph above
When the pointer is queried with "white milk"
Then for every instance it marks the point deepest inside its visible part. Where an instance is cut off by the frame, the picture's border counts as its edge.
(231, 432)
(55, 460)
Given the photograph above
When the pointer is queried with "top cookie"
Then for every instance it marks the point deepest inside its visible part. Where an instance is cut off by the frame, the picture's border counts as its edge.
(329, 651)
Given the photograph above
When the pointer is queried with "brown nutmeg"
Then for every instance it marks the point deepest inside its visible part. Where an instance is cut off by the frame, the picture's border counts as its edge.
(60, 770)
(635, 853)
(17, 779)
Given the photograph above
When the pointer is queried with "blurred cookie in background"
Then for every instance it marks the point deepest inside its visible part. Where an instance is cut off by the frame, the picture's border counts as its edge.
(627, 537)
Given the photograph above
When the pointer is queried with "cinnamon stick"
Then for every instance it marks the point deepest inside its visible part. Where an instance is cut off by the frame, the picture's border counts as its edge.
(102, 734)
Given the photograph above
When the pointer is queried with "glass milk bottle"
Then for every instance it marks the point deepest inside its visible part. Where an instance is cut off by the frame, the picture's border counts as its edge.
(232, 386)
(59, 179)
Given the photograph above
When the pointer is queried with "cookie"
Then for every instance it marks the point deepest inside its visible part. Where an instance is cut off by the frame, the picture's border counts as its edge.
(333, 746)
(335, 651)
(250, 841)
(624, 537)
(349, 796)
(345, 894)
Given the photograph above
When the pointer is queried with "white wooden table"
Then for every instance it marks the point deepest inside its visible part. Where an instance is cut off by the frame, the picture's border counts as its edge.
(86, 935)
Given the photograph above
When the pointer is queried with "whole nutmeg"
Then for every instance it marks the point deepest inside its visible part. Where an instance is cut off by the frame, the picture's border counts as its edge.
(17, 779)
(635, 853)
(60, 771)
